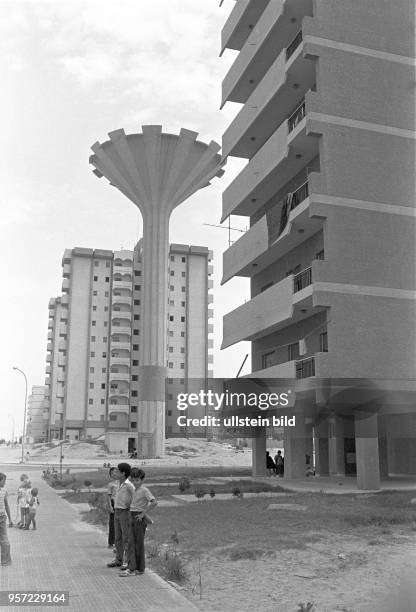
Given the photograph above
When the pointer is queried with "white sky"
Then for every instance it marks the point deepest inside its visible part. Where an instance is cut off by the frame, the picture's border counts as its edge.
(72, 71)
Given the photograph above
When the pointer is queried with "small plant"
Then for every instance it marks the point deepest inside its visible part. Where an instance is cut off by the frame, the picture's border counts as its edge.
(212, 493)
(88, 484)
(200, 493)
(67, 471)
(184, 484)
(175, 568)
(154, 551)
(237, 492)
(307, 607)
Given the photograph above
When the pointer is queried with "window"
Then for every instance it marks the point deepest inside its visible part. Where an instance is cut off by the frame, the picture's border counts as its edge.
(135, 332)
(93, 323)
(267, 286)
(171, 318)
(136, 317)
(133, 424)
(135, 362)
(105, 323)
(134, 393)
(91, 370)
(133, 409)
(172, 258)
(169, 412)
(106, 294)
(293, 351)
(113, 417)
(183, 304)
(172, 272)
(182, 319)
(106, 308)
(181, 381)
(183, 259)
(96, 278)
(170, 396)
(172, 287)
(183, 274)
(323, 342)
(102, 385)
(182, 334)
(170, 381)
(92, 338)
(171, 349)
(171, 302)
(267, 360)
(96, 264)
(320, 255)
(94, 293)
(137, 302)
(183, 289)
(94, 308)
(171, 334)
(90, 401)
(104, 354)
(91, 385)
(137, 273)
(135, 377)
(107, 279)
(182, 366)
(135, 347)
(103, 402)
(107, 264)
(104, 370)
(137, 287)
(170, 364)
(92, 354)
(105, 339)
(182, 349)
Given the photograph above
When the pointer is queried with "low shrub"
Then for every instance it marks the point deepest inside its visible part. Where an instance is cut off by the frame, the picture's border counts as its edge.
(212, 493)
(184, 484)
(200, 493)
(175, 568)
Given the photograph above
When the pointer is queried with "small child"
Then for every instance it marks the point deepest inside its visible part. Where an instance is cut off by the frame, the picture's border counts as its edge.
(23, 496)
(4, 511)
(142, 502)
(33, 503)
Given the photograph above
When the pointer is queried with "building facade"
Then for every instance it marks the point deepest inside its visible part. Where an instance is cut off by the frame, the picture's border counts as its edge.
(327, 127)
(94, 340)
(37, 423)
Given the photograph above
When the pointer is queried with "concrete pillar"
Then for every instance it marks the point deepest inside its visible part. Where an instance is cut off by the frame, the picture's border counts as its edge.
(366, 444)
(336, 446)
(383, 447)
(294, 442)
(258, 453)
(321, 431)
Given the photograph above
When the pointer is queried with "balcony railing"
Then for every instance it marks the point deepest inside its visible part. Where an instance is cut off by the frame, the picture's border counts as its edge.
(302, 280)
(291, 201)
(305, 368)
(296, 117)
(294, 45)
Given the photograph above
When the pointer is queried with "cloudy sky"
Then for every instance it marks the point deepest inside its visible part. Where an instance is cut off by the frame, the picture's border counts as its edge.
(72, 71)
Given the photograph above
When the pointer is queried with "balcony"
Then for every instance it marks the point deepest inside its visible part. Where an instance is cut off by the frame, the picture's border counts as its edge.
(122, 284)
(66, 285)
(120, 329)
(120, 360)
(120, 314)
(279, 370)
(286, 81)
(61, 360)
(116, 344)
(47, 380)
(275, 30)
(265, 243)
(51, 323)
(240, 22)
(123, 269)
(50, 335)
(118, 392)
(122, 376)
(305, 368)
(48, 369)
(269, 311)
(49, 346)
(121, 299)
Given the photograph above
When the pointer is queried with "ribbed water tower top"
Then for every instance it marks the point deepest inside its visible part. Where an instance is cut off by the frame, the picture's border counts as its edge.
(154, 169)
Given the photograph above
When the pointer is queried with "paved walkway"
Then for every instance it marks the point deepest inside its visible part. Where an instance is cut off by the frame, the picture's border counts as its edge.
(68, 554)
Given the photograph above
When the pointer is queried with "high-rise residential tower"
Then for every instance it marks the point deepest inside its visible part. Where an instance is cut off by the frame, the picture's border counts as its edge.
(327, 127)
(94, 335)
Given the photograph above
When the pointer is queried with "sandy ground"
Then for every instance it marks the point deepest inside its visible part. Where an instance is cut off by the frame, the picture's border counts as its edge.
(343, 574)
(178, 451)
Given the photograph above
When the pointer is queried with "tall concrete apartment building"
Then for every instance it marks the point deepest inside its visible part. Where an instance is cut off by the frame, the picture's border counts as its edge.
(327, 127)
(94, 341)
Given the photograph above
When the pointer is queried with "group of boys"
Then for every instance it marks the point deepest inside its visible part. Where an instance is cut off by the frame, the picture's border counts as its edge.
(128, 504)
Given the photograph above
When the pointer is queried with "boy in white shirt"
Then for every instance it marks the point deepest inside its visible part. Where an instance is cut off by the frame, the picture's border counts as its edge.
(143, 501)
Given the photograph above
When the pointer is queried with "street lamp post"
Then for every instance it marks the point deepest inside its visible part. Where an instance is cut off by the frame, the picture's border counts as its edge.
(24, 417)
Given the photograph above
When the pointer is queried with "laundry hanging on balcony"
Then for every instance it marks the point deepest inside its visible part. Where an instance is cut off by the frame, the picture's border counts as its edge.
(277, 218)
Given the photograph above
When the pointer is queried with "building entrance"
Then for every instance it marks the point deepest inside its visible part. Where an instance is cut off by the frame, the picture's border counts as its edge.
(350, 457)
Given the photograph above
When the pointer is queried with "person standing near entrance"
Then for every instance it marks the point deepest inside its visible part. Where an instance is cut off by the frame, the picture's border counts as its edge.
(4, 512)
(122, 504)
